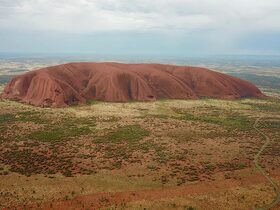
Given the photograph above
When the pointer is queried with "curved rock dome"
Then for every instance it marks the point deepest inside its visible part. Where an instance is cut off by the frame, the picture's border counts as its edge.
(75, 83)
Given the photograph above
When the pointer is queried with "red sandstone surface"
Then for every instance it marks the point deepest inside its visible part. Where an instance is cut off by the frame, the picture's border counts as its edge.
(75, 83)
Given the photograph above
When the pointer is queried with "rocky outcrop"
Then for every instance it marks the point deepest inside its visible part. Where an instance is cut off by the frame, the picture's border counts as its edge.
(75, 83)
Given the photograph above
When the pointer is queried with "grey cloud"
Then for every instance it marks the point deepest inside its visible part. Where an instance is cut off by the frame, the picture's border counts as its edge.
(100, 15)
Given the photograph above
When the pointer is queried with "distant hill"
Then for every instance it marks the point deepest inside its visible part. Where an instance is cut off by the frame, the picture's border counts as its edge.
(75, 83)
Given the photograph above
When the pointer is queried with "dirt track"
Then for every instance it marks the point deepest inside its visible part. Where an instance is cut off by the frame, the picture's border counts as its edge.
(276, 188)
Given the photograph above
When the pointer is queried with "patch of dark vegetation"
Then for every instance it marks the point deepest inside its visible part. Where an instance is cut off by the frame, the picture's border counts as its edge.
(53, 128)
(5, 118)
(231, 166)
(229, 119)
(26, 116)
(92, 102)
(269, 123)
(67, 128)
(33, 116)
(28, 162)
(270, 106)
(50, 135)
(130, 134)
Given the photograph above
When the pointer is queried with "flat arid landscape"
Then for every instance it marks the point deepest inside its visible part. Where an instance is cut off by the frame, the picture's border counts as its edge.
(139, 105)
(166, 154)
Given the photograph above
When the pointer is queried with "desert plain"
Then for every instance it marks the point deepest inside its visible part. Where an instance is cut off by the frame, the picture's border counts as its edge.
(165, 154)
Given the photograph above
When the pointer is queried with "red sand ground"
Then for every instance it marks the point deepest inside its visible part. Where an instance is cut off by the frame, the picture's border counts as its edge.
(75, 83)
(106, 199)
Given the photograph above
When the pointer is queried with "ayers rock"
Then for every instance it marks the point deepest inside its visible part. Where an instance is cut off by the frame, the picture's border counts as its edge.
(75, 83)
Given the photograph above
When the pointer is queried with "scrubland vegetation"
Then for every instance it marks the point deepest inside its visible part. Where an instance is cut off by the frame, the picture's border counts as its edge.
(155, 149)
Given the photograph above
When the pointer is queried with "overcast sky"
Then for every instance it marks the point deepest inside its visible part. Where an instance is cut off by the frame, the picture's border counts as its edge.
(175, 27)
